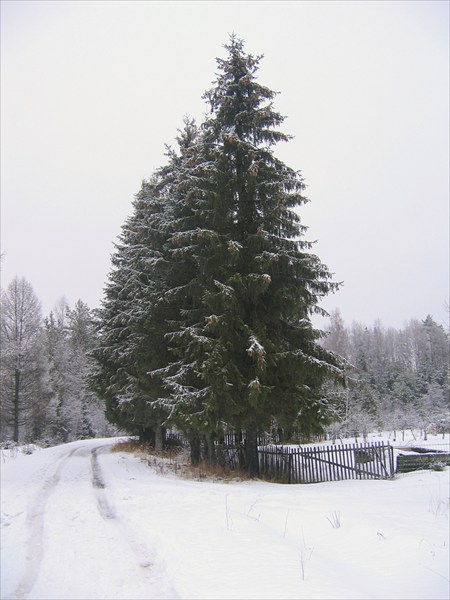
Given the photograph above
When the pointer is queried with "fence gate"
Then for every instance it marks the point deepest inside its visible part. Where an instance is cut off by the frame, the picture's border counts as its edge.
(327, 463)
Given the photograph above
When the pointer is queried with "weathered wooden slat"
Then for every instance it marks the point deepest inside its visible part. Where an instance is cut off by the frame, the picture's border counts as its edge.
(391, 460)
(316, 465)
(307, 468)
(331, 466)
(363, 462)
(383, 456)
(347, 463)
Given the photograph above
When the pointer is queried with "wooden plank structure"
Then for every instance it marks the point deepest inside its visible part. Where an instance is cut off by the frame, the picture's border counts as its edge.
(327, 463)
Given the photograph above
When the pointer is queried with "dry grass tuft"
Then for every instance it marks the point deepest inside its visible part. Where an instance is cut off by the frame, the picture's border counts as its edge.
(141, 448)
(176, 461)
(207, 471)
(132, 446)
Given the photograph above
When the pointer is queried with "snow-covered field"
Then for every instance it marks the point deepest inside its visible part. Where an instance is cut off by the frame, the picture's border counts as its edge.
(81, 522)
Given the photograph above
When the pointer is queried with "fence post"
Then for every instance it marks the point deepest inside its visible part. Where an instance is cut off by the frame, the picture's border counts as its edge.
(290, 467)
(391, 461)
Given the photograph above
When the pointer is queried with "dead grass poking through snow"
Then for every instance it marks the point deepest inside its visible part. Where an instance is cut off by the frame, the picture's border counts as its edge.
(215, 472)
(177, 461)
(132, 446)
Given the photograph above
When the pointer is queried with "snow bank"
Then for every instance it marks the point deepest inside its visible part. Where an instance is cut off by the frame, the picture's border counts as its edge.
(142, 534)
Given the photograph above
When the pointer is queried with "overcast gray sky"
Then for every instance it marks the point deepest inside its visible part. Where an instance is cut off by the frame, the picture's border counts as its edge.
(91, 92)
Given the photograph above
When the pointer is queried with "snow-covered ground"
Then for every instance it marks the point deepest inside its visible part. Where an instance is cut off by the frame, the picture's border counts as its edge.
(81, 522)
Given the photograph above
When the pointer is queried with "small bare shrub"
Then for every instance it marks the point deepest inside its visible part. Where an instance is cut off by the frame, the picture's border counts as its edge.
(285, 523)
(438, 465)
(305, 556)
(335, 520)
(228, 518)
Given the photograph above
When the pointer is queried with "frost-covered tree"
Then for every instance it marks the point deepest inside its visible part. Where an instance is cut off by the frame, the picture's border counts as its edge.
(82, 341)
(206, 321)
(187, 276)
(135, 313)
(400, 379)
(74, 411)
(24, 391)
(59, 424)
(337, 336)
(248, 350)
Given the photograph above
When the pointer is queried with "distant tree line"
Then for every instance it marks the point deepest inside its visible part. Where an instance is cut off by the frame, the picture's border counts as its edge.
(397, 380)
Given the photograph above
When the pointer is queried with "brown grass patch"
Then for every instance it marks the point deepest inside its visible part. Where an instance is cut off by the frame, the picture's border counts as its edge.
(132, 446)
(144, 449)
(207, 471)
(176, 461)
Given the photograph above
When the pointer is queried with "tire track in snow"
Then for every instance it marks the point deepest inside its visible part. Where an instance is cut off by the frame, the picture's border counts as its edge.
(35, 525)
(155, 581)
(153, 575)
(104, 507)
(107, 511)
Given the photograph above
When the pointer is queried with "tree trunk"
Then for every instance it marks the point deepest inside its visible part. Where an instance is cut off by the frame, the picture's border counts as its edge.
(159, 438)
(241, 449)
(251, 450)
(194, 442)
(220, 454)
(16, 404)
(211, 448)
(147, 435)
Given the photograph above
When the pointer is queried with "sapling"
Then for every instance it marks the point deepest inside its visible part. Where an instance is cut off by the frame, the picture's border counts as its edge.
(285, 523)
(305, 555)
(228, 518)
(252, 506)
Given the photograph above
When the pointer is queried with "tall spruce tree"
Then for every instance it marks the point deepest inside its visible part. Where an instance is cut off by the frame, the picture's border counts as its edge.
(206, 322)
(186, 278)
(125, 327)
(133, 320)
(248, 350)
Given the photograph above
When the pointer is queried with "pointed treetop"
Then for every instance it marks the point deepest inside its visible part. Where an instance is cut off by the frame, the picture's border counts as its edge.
(238, 102)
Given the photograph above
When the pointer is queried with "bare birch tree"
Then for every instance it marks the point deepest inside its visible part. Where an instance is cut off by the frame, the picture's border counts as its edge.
(23, 365)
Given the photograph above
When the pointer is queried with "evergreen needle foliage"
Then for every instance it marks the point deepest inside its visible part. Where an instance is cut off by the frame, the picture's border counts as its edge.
(206, 321)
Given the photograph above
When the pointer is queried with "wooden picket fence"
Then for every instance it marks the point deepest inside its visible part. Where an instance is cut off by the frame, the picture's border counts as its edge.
(327, 463)
(313, 464)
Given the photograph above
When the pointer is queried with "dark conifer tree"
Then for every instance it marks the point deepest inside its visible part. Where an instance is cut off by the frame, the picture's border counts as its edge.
(130, 325)
(187, 277)
(248, 337)
(206, 321)
(142, 300)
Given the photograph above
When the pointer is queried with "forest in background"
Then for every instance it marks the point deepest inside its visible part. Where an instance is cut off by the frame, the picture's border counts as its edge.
(45, 366)
(397, 379)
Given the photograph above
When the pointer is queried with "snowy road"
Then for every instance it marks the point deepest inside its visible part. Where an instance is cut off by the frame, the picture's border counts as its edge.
(81, 522)
(71, 516)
